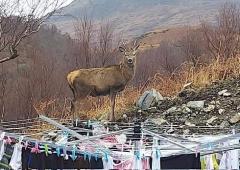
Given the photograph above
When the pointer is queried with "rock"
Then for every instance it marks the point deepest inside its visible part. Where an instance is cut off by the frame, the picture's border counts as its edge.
(170, 131)
(235, 118)
(188, 123)
(149, 99)
(209, 108)
(224, 124)
(186, 93)
(170, 110)
(159, 121)
(185, 109)
(124, 116)
(196, 104)
(212, 119)
(186, 131)
(152, 109)
(222, 92)
(221, 111)
(227, 94)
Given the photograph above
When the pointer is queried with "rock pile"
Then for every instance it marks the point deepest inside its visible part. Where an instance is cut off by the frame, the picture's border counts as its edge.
(217, 105)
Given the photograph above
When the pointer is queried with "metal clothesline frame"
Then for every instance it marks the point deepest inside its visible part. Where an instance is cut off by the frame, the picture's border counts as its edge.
(90, 140)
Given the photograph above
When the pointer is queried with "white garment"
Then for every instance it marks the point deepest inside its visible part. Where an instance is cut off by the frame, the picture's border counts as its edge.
(137, 161)
(16, 160)
(230, 159)
(209, 162)
(155, 160)
(2, 145)
(156, 165)
(107, 163)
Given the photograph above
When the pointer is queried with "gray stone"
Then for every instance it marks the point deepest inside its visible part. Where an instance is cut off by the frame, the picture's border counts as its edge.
(209, 108)
(235, 118)
(185, 109)
(196, 104)
(222, 92)
(170, 110)
(159, 121)
(212, 119)
(188, 123)
(149, 99)
(221, 111)
(186, 131)
(224, 124)
(170, 130)
(227, 94)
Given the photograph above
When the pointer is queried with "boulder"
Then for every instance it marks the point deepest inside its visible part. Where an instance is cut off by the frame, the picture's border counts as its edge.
(188, 123)
(170, 110)
(224, 124)
(196, 104)
(211, 120)
(222, 92)
(209, 108)
(149, 99)
(221, 111)
(235, 118)
(159, 121)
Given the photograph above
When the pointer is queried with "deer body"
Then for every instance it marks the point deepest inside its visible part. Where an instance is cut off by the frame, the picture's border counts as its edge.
(103, 81)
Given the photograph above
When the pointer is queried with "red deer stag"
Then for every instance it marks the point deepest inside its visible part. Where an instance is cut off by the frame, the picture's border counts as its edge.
(103, 81)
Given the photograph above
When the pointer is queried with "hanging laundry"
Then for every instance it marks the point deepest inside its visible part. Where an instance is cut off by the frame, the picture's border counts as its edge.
(230, 159)
(191, 161)
(16, 160)
(155, 155)
(107, 162)
(53, 161)
(2, 145)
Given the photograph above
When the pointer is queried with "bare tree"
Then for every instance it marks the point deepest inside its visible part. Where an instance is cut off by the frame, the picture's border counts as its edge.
(192, 46)
(84, 31)
(3, 84)
(223, 38)
(20, 19)
(105, 47)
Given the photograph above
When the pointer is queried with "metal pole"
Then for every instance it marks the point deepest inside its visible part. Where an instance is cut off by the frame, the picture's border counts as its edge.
(170, 141)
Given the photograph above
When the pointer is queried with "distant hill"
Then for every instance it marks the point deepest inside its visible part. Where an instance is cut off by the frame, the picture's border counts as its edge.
(135, 17)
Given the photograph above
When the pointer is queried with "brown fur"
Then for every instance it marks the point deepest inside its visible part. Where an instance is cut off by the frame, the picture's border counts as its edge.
(103, 81)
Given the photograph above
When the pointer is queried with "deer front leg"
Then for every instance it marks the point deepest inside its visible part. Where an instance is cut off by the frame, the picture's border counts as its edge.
(112, 101)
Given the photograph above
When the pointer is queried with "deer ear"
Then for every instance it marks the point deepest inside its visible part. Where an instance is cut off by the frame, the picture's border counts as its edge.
(122, 49)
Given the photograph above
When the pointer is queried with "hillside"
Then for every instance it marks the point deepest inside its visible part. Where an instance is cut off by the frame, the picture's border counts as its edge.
(135, 17)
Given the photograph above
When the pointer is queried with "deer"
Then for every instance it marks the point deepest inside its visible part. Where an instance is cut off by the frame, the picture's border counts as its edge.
(104, 81)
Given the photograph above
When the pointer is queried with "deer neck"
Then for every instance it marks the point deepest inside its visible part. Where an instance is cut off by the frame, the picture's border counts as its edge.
(127, 71)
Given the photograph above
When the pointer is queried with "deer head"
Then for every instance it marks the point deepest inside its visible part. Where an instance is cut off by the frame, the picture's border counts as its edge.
(129, 57)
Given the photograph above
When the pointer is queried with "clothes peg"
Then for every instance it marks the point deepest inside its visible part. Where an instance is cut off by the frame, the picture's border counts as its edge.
(26, 145)
(88, 123)
(89, 157)
(58, 150)
(2, 135)
(197, 150)
(46, 149)
(73, 156)
(8, 140)
(20, 139)
(84, 155)
(36, 148)
(65, 155)
(106, 156)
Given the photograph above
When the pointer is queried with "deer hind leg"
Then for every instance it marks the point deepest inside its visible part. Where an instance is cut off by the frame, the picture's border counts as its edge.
(112, 101)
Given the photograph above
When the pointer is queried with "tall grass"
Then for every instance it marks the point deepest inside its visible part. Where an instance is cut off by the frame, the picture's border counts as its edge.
(201, 76)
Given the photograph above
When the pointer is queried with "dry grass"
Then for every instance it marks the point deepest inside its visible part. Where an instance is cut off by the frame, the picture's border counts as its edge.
(95, 108)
